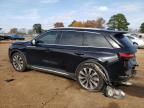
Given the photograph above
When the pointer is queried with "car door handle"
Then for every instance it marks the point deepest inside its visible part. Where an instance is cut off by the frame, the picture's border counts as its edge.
(79, 53)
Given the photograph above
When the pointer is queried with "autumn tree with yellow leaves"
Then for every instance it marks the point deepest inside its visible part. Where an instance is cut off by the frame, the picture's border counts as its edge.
(99, 23)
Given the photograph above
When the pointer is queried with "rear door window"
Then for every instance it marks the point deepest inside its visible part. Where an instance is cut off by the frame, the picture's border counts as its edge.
(113, 42)
(71, 38)
(95, 40)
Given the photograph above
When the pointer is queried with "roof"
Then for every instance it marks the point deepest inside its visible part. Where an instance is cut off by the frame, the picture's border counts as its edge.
(89, 29)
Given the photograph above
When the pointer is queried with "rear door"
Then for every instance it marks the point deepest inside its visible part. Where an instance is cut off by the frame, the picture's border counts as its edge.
(70, 49)
(97, 45)
(100, 48)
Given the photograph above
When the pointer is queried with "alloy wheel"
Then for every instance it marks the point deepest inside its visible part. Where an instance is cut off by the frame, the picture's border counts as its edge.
(89, 78)
(18, 62)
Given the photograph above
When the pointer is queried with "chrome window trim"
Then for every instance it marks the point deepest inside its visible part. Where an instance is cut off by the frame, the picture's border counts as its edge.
(79, 31)
(62, 32)
(73, 45)
(66, 30)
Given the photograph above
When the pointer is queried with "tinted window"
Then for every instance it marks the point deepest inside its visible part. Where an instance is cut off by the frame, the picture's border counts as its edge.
(113, 42)
(49, 37)
(71, 38)
(97, 40)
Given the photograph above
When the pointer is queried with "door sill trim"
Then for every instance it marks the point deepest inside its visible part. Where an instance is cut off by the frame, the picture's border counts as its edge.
(54, 71)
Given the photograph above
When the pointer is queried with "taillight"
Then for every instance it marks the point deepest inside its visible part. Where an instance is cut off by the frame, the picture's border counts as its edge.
(126, 55)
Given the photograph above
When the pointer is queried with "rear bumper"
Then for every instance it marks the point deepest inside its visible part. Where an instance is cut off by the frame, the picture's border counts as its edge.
(129, 74)
(124, 71)
(123, 78)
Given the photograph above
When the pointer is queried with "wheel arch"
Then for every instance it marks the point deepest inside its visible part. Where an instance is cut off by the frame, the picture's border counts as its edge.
(104, 74)
(15, 51)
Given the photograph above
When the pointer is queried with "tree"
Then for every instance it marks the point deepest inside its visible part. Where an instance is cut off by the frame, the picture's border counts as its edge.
(58, 24)
(37, 28)
(142, 28)
(100, 23)
(90, 23)
(13, 31)
(76, 24)
(118, 21)
(72, 23)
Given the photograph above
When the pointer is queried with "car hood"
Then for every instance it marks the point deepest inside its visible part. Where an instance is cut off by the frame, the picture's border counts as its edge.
(21, 43)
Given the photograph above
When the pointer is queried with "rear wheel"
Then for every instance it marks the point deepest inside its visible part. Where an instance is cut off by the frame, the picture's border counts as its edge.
(89, 77)
(18, 62)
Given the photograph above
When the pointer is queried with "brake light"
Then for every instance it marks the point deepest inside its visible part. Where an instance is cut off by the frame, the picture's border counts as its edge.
(126, 55)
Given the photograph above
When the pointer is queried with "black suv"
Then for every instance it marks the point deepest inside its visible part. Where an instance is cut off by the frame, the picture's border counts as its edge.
(92, 57)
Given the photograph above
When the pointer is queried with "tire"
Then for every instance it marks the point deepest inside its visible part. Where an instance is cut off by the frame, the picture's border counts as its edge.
(19, 62)
(89, 76)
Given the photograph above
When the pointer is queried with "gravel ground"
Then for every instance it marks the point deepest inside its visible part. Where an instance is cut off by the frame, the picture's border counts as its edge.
(35, 89)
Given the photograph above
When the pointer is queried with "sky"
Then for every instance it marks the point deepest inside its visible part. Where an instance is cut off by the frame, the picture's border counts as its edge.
(25, 13)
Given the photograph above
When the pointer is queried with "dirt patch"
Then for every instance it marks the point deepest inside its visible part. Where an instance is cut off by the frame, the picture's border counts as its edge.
(135, 90)
(9, 80)
(6, 42)
(33, 89)
(112, 105)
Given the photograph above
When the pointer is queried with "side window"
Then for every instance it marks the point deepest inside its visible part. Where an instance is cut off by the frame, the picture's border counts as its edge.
(113, 43)
(49, 38)
(71, 38)
(97, 40)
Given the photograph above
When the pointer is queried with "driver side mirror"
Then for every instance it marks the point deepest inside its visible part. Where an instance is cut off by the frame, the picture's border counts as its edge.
(33, 42)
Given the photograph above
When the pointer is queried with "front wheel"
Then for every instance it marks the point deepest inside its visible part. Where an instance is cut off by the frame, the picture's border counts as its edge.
(19, 62)
(89, 77)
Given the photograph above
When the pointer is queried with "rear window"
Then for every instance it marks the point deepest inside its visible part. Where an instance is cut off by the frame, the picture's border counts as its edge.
(113, 42)
(96, 40)
(124, 40)
(71, 38)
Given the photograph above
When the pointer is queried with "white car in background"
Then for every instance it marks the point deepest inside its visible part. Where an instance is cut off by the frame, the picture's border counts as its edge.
(136, 41)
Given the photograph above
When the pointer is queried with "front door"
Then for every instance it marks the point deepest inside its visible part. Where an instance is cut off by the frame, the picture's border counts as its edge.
(42, 54)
